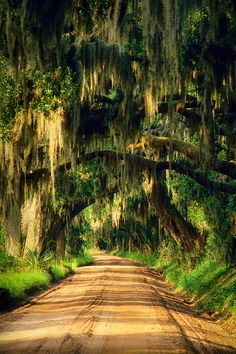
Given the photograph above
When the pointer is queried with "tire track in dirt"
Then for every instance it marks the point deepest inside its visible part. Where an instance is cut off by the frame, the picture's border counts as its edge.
(114, 306)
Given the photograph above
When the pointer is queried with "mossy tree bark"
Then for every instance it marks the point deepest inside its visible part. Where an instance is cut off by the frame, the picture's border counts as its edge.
(181, 230)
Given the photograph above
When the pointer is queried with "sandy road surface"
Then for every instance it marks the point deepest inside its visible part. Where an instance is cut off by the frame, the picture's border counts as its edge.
(114, 306)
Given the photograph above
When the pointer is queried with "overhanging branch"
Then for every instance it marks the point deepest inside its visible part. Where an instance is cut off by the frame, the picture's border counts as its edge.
(181, 230)
(189, 150)
(143, 163)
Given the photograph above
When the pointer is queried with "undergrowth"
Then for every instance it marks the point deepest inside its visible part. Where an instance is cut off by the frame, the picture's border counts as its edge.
(17, 285)
(148, 259)
(211, 285)
(19, 278)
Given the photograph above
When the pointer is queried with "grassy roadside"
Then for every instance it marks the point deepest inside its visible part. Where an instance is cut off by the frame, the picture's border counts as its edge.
(211, 286)
(19, 281)
(149, 259)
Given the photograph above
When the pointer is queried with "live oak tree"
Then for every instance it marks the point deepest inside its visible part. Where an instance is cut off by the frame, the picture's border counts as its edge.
(147, 87)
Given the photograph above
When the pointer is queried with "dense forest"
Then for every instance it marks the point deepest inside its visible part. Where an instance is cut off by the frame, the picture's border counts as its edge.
(118, 130)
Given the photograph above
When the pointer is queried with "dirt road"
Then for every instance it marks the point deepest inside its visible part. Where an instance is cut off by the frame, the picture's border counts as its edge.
(114, 306)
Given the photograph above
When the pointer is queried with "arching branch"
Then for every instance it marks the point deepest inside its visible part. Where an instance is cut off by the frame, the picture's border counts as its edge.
(181, 230)
(59, 221)
(190, 150)
(143, 163)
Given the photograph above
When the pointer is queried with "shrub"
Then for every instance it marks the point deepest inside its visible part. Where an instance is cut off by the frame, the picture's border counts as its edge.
(6, 261)
(149, 258)
(84, 259)
(58, 271)
(35, 260)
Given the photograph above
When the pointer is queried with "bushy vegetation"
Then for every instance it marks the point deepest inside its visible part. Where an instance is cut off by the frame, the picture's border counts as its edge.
(211, 214)
(19, 277)
(43, 91)
(60, 268)
(211, 285)
(86, 259)
(148, 259)
(18, 284)
(52, 90)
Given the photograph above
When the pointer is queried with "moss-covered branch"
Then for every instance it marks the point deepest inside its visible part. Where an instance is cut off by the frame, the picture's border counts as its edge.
(189, 150)
(181, 230)
(70, 210)
(142, 163)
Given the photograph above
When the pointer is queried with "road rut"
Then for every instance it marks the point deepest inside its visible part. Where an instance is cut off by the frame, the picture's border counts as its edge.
(114, 306)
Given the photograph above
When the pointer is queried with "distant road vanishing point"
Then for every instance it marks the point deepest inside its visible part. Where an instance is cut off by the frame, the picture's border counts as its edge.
(115, 306)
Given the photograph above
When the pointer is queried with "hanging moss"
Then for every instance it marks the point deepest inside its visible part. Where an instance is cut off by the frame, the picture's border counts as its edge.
(71, 54)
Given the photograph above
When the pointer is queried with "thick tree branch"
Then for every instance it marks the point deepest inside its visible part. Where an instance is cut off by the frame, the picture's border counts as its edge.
(190, 150)
(59, 221)
(143, 163)
(181, 230)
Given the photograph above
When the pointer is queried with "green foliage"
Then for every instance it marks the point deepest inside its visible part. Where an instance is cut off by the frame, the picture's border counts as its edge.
(2, 237)
(35, 260)
(114, 94)
(194, 36)
(210, 213)
(86, 182)
(84, 259)
(58, 204)
(185, 188)
(231, 205)
(148, 259)
(135, 47)
(18, 285)
(76, 242)
(58, 270)
(6, 261)
(153, 122)
(10, 97)
(88, 179)
(201, 278)
(135, 44)
(9, 263)
(52, 90)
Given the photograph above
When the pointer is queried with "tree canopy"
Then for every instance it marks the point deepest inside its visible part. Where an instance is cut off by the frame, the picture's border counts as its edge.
(125, 105)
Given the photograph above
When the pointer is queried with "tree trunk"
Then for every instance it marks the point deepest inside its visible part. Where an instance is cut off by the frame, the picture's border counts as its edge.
(60, 245)
(13, 237)
(183, 232)
(31, 223)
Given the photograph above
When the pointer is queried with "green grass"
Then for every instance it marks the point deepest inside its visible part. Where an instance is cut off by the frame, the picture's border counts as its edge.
(85, 259)
(17, 282)
(18, 285)
(58, 270)
(212, 286)
(149, 259)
